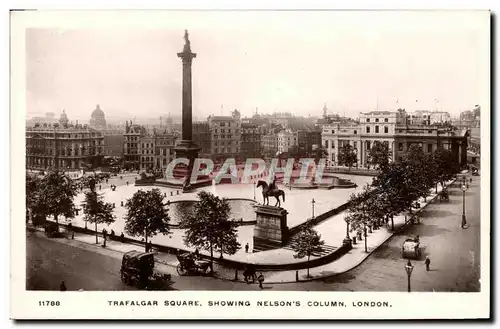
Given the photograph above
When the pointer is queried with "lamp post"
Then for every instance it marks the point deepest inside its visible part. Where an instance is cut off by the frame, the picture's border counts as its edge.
(409, 269)
(254, 190)
(464, 188)
(347, 240)
(313, 202)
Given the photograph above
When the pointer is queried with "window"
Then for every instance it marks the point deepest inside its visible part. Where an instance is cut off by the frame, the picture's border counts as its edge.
(326, 144)
(367, 130)
(355, 145)
(368, 145)
(376, 120)
(333, 131)
(386, 129)
(355, 132)
(429, 147)
(367, 119)
(400, 146)
(386, 120)
(376, 129)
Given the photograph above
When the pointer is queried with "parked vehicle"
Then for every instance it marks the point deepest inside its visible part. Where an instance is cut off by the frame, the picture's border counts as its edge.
(137, 267)
(52, 230)
(189, 264)
(411, 247)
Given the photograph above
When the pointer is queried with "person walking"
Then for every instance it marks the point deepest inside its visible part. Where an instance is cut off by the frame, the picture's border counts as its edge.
(246, 247)
(62, 287)
(427, 263)
(261, 280)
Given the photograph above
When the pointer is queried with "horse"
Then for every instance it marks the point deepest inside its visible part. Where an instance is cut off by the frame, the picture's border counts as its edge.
(249, 273)
(267, 192)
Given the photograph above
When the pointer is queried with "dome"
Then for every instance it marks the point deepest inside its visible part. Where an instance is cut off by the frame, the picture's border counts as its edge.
(97, 119)
(63, 119)
(97, 113)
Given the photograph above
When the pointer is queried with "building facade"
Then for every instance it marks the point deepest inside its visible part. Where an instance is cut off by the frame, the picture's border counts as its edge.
(286, 140)
(132, 136)
(251, 140)
(164, 150)
(226, 136)
(269, 144)
(203, 138)
(393, 129)
(63, 147)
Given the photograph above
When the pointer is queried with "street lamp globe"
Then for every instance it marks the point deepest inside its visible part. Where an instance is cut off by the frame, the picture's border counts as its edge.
(464, 187)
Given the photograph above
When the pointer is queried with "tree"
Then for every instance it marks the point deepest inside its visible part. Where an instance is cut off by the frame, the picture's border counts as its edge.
(308, 242)
(227, 241)
(319, 153)
(97, 211)
(445, 167)
(146, 215)
(378, 155)
(296, 152)
(347, 156)
(359, 214)
(56, 194)
(209, 227)
(419, 170)
(394, 189)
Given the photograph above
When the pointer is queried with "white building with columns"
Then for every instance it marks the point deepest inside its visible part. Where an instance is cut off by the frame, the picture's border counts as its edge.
(374, 126)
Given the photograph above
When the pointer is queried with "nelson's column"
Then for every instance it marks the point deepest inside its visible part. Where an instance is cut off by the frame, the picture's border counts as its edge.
(186, 148)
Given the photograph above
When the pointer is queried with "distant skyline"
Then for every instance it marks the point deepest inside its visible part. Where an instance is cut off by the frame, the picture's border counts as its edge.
(274, 61)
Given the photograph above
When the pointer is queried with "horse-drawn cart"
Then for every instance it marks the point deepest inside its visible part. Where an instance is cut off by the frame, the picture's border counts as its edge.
(411, 247)
(190, 264)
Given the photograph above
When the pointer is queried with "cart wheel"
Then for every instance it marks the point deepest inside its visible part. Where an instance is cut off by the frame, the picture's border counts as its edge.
(181, 270)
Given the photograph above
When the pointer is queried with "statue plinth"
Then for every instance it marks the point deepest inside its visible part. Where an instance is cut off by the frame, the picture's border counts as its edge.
(271, 230)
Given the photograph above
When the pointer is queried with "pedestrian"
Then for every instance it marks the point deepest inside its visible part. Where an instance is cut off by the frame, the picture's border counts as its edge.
(471, 180)
(62, 287)
(427, 263)
(261, 280)
(127, 183)
(246, 247)
(122, 237)
(197, 253)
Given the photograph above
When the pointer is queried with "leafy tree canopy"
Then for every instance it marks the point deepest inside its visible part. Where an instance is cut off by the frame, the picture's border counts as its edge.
(146, 215)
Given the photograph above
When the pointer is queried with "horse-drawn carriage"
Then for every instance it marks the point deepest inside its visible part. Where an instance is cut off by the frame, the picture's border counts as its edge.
(411, 247)
(444, 196)
(190, 264)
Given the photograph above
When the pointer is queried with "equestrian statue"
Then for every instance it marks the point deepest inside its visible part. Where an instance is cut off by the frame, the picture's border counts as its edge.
(271, 190)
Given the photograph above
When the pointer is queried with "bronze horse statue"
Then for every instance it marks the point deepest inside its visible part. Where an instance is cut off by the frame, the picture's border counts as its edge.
(271, 190)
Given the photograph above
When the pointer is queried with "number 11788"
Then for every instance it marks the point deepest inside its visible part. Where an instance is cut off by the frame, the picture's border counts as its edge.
(49, 303)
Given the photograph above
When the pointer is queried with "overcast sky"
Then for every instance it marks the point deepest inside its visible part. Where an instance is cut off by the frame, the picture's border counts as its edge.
(276, 61)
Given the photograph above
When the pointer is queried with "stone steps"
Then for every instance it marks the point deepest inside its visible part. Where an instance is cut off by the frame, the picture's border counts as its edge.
(327, 249)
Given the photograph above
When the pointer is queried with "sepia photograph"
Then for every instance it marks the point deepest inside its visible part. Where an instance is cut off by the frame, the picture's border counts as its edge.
(251, 153)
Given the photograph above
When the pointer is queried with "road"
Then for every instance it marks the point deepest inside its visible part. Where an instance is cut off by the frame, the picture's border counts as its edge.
(454, 253)
(50, 262)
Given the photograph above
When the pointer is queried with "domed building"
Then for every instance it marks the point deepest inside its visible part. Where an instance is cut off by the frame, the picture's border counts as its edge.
(97, 119)
(63, 119)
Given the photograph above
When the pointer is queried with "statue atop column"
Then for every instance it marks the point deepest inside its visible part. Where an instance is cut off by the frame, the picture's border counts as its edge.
(187, 44)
